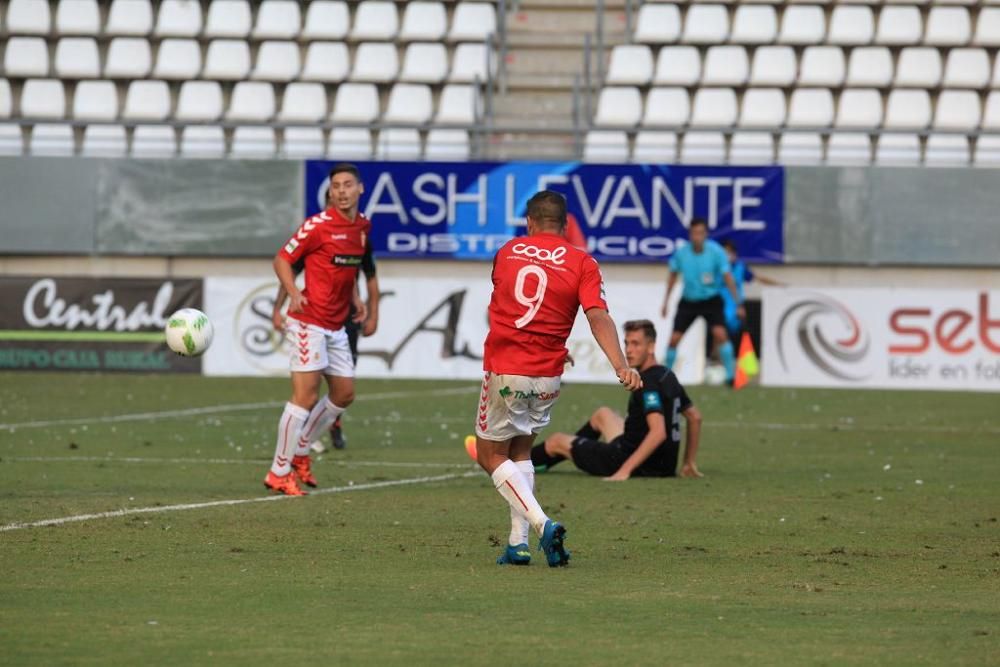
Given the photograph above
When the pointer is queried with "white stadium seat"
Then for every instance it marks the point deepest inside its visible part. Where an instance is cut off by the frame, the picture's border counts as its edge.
(375, 19)
(800, 148)
(151, 141)
(303, 142)
(178, 18)
(76, 58)
(458, 104)
(751, 148)
(425, 63)
(944, 150)
(203, 141)
(802, 24)
(957, 110)
(95, 100)
(658, 24)
(898, 149)
(773, 66)
(104, 141)
(605, 146)
(703, 147)
(350, 142)
(78, 17)
(130, 17)
(849, 148)
(754, 24)
(678, 65)
(396, 143)
(899, 26)
(618, 106)
(228, 18)
(948, 26)
(128, 58)
(967, 68)
(763, 107)
(667, 107)
(918, 67)
(726, 66)
(326, 19)
(424, 21)
(43, 98)
(28, 17)
(356, 102)
(851, 24)
(987, 151)
(251, 101)
(652, 146)
(375, 61)
(178, 59)
(199, 100)
(26, 56)
(822, 66)
(327, 62)
(447, 144)
(870, 66)
(147, 100)
(706, 24)
(409, 103)
(988, 27)
(305, 102)
(714, 107)
(859, 107)
(277, 61)
(631, 64)
(278, 19)
(227, 60)
(810, 107)
(908, 109)
(469, 63)
(995, 81)
(56, 140)
(6, 99)
(473, 21)
(253, 142)
(11, 139)
(991, 111)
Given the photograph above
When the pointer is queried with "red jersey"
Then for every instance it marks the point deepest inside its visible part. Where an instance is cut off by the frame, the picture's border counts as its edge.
(539, 282)
(331, 247)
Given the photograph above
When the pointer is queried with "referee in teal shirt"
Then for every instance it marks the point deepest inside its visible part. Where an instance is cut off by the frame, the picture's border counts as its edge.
(703, 266)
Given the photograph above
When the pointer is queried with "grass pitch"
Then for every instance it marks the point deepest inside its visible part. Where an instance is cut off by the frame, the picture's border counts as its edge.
(832, 527)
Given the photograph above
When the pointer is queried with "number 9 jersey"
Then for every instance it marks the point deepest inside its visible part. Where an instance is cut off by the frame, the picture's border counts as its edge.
(539, 283)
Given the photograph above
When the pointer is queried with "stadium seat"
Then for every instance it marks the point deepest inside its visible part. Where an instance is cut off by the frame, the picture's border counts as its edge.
(327, 62)
(751, 148)
(849, 148)
(28, 17)
(375, 19)
(859, 107)
(631, 64)
(898, 149)
(918, 67)
(473, 22)
(147, 100)
(967, 68)
(703, 147)
(43, 98)
(605, 146)
(303, 142)
(349, 142)
(253, 142)
(773, 66)
(987, 151)
(469, 63)
(78, 17)
(706, 24)
(6, 99)
(908, 109)
(409, 103)
(822, 66)
(714, 107)
(653, 146)
(277, 61)
(995, 81)
(763, 107)
(870, 66)
(128, 58)
(398, 144)
(278, 19)
(151, 141)
(810, 107)
(203, 141)
(991, 112)
(948, 26)
(227, 60)
(424, 63)
(802, 25)
(667, 107)
(618, 106)
(95, 100)
(754, 24)
(800, 148)
(899, 26)
(51, 139)
(177, 59)
(851, 25)
(326, 20)
(130, 18)
(251, 101)
(447, 144)
(424, 22)
(305, 102)
(375, 61)
(104, 141)
(988, 27)
(944, 150)
(458, 104)
(178, 18)
(658, 24)
(26, 56)
(199, 100)
(11, 139)
(726, 66)
(957, 110)
(355, 102)
(228, 18)
(678, 66)
(76, 58)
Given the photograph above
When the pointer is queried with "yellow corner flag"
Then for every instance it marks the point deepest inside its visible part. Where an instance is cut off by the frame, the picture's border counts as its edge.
(746, 363)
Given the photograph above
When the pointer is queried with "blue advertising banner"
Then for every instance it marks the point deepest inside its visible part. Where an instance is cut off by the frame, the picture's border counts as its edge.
(628, 212)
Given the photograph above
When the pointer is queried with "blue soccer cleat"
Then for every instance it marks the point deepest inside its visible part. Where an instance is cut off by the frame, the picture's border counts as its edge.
(552, 544)
(515, 555)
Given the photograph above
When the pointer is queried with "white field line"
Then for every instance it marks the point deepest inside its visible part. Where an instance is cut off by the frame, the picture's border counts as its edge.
(198, 461)
(227, 503)
(215, 409)
(858, 428)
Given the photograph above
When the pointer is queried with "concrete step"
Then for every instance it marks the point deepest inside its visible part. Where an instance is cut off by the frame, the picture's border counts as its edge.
(512, 146)
(543, 40)
(544, 61)
(570, 21)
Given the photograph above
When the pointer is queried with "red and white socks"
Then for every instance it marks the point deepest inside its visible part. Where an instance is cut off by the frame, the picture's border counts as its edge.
(323, 414)
(292, 420)
(515, 488)
(519, 526)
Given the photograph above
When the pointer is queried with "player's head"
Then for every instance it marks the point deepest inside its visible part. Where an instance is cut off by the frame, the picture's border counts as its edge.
(345, 188)
(731, 250)
(546, 213)
(640, 343)
(697, 233)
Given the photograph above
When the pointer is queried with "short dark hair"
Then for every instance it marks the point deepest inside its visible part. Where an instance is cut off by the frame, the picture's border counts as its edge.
(345, 168)
(696, 222)
(645, 326)
(548, 208)
(730, 244)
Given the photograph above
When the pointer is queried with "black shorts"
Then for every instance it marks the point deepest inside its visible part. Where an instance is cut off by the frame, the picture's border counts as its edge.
(689, 311)
(605, 458)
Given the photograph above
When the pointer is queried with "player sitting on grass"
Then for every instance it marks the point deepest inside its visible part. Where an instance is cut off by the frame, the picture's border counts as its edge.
(646, 442)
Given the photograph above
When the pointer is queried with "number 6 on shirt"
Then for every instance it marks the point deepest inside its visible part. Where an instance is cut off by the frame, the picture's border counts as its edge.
(533, 302)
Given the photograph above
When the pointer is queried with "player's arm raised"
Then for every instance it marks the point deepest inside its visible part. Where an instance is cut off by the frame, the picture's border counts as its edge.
(606, 335)
(657, 434)
(691, 440)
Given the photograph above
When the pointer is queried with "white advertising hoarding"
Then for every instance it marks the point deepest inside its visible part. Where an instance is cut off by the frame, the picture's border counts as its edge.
(888, 338)
(428, 328)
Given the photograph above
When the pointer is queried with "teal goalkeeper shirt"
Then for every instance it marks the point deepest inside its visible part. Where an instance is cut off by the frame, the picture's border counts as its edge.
(702, 273)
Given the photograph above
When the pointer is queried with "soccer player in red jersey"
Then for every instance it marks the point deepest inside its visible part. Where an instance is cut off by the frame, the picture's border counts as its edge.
(331, 244)
(539, 283)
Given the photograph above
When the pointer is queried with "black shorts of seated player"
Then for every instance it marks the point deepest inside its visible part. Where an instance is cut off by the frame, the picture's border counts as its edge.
(646, 443)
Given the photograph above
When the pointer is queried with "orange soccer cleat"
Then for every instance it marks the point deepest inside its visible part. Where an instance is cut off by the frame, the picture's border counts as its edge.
(283, 484)
(302, 467)
(470, 447)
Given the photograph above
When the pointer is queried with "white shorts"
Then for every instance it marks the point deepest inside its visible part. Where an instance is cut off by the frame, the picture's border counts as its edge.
(513, 405)
(314, 348)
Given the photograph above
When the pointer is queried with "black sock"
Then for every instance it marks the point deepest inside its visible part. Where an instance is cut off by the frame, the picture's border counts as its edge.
(589, 432)
(539, 457)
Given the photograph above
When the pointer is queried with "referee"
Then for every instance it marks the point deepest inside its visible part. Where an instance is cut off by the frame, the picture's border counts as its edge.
(703, 266)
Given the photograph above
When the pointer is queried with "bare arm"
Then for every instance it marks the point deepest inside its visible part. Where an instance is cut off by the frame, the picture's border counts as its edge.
(691, 440)
(657, 434)
(603, 329)
(286, 276)
(764, 280)
(371, 321)
(671, 281)
(731, 284)
(279, 302)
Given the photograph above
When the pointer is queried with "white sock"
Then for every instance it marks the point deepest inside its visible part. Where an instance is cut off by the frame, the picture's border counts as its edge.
(519, 526)
(322, 415)
(511, 484)
(292, 420)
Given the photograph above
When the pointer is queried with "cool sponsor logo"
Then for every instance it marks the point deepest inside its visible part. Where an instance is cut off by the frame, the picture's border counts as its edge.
(554, 256)
(828, 335)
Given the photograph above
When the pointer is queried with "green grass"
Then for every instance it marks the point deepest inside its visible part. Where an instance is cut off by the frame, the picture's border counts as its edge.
(810, 540)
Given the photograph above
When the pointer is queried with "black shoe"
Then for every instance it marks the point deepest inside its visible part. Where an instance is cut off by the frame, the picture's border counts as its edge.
(337, 436)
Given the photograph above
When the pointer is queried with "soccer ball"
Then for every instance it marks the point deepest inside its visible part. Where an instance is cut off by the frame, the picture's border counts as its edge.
(189, 332)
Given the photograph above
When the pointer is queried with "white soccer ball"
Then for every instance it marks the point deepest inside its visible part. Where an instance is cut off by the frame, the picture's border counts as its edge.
(189, 332)
(715, 375)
